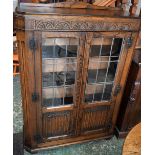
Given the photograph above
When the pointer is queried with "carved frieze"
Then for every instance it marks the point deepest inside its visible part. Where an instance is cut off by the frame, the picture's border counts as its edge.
(76, 23)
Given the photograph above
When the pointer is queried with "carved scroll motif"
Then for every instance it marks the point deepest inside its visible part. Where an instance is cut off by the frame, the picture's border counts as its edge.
(74, 24)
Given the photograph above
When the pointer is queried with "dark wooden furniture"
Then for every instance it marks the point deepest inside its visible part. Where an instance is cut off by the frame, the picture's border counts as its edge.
(74, 64)
(130, 108)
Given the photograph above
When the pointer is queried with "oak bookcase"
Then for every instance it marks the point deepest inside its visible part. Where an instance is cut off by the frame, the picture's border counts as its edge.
(74, 61)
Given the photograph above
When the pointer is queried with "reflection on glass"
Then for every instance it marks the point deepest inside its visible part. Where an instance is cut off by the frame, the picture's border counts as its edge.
(59, 62)
(104, 57)
(59, 48)
(107, 92)
(68, 96)
(98, 92)
(56, 96)
(116, 47)
(111, 72)
(52, 102)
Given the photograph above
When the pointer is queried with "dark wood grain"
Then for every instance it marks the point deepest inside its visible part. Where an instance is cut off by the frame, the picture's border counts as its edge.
(130, 108)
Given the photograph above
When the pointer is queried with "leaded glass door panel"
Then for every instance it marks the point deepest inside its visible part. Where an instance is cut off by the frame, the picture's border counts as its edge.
(60, 52)
(104, 58)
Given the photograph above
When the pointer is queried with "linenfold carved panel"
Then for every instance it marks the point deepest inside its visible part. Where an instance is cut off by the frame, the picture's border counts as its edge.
(58, 124)
(96, 118)
(75, 23)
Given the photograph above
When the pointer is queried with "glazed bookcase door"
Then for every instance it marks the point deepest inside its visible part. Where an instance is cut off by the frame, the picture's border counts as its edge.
(60, 61)
(104, 58)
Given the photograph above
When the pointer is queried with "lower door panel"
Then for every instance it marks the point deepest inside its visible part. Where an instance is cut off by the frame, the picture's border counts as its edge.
(95, 119)
(58, 124)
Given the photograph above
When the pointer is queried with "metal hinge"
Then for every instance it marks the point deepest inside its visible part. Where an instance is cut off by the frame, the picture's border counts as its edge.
(32, 44)
(35, 97)
(129, 42)
(117, 90)
(38, 138)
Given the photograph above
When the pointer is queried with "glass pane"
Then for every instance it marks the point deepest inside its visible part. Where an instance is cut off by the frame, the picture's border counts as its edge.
(68, 99)
(48, 79)
(70, 71)
(59, 47)
(97, 69)
(98, 92)
(111, 72)
(90, 89)
(100, 47)
(59, 62)
(52, 102)
(53, 96)
(116, 47)
(107, 92)
(104, 57)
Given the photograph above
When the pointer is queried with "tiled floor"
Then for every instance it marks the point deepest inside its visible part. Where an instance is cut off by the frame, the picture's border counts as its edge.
(99, 147)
